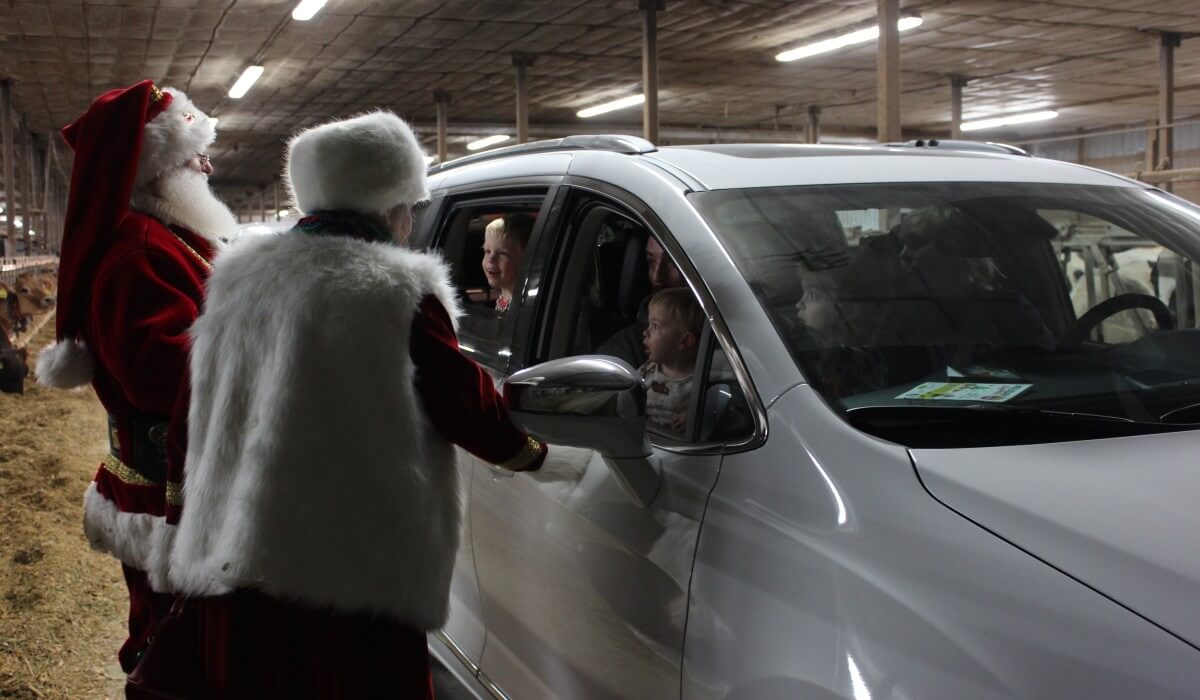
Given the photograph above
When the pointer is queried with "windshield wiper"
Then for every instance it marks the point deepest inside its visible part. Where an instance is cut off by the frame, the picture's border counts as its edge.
(982, 425)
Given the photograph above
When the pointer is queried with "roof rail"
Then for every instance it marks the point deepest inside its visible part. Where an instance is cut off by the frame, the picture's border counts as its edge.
(962, 145)
(617, 143)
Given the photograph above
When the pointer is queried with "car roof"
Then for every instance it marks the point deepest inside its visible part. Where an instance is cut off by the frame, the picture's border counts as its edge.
(736, 166)
(731, 166)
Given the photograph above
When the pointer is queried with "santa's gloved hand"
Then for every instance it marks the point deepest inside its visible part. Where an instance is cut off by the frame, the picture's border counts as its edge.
(562, 464)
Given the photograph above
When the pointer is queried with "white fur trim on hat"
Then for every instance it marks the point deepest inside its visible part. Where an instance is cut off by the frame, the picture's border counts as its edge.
(170, 139)
(64, 365)
(368, 164)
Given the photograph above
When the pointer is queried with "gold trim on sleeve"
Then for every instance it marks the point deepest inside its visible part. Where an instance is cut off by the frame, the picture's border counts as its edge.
(118, 469)
(174, 493)
(529, 453)
(156, 93)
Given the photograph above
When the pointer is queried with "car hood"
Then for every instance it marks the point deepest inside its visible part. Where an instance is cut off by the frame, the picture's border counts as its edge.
(1120, 515)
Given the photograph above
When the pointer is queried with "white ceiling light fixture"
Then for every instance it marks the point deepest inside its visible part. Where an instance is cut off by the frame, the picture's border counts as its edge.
(631, 101)
(283, 212)
(307, 9)
(242, 86)
(993, 122)
(861, 36)
(487, 141)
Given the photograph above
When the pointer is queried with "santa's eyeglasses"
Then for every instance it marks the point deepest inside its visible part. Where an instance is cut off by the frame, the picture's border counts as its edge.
(204, 159)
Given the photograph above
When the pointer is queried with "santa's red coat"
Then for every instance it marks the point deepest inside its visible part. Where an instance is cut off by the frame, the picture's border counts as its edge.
(147, 290)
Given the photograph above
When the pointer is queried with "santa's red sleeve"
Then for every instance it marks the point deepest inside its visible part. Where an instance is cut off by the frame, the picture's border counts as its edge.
(141, 311)
(460, 398)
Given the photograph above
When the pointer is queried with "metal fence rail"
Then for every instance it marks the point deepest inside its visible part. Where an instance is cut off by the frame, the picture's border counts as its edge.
(12, 268)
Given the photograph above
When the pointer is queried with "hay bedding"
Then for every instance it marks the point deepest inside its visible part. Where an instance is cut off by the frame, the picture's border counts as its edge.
(62, 606)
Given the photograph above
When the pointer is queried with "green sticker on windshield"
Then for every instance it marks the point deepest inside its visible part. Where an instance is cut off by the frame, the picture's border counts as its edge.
(964, 391)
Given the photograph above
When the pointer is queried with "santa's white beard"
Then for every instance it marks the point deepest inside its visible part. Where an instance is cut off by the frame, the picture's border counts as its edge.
(182, 197)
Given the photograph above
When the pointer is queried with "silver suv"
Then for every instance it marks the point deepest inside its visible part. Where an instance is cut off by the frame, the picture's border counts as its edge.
(937, 440)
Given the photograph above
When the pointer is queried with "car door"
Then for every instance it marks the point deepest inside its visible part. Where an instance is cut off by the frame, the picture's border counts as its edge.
(584, 590)
(455, 225)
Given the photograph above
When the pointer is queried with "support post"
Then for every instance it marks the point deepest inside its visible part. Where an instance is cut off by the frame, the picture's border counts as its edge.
(957, 83)
(10, 211)
(521, 62)
(1151, 146)
(276, 188)
(650, 10)
(43, 160)
(441, 99)
(27, 186)
(262, 204)
(1168, 41)
(888, 69)
(814, 124)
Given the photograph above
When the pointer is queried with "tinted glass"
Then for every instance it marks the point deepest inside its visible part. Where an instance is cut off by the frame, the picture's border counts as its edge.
(1057, 299)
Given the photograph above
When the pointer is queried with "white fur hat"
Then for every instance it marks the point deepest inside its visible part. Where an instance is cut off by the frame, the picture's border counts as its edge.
(367, 164)
(173, 137)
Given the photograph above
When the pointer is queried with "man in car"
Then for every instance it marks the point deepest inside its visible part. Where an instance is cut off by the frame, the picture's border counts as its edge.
(662, 273)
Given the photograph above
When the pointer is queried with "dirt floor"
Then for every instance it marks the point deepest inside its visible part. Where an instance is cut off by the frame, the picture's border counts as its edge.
(62, 606)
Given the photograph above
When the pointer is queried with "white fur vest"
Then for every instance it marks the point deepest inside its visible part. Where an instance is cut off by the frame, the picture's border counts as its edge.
(312, 470)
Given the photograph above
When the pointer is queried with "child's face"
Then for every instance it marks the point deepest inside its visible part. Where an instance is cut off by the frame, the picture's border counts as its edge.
(501, 261)
(665, 339)
(817, 309)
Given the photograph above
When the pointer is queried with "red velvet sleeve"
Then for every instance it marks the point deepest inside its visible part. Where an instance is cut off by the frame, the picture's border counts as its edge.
(459, 396)
(141, 312)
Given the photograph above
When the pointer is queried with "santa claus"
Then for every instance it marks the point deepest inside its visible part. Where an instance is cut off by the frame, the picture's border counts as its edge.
(140, 233)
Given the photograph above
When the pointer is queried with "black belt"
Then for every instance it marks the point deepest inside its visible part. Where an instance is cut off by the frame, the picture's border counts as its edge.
(149, 446)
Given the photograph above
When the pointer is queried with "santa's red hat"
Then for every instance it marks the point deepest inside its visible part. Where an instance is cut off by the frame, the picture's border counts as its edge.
(124, 140)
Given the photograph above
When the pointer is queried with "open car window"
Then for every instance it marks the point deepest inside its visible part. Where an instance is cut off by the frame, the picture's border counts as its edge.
(606, 304)
(487, 244)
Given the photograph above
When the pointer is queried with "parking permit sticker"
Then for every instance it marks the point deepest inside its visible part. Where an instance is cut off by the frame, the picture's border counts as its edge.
(964, 391)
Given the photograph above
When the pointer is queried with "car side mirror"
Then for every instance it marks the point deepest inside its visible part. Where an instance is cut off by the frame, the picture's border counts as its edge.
(589, 401)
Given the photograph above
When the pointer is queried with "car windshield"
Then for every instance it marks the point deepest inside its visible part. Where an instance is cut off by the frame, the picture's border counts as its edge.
(973, 313)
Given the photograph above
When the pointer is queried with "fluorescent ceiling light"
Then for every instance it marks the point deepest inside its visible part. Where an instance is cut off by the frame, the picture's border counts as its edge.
(306, 9)
(487, 141)
(283, 212)
(860, 37)
(243, 83)
(1006, 121)
(622, 103)
(258, 229)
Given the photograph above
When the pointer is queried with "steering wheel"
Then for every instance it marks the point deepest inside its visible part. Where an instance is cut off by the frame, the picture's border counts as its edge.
(1096, 315)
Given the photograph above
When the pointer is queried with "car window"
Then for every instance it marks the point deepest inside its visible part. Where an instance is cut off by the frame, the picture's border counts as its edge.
(487, 244)
(723, 414)
(1102, 260)
(606, 305)
(902, 303)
